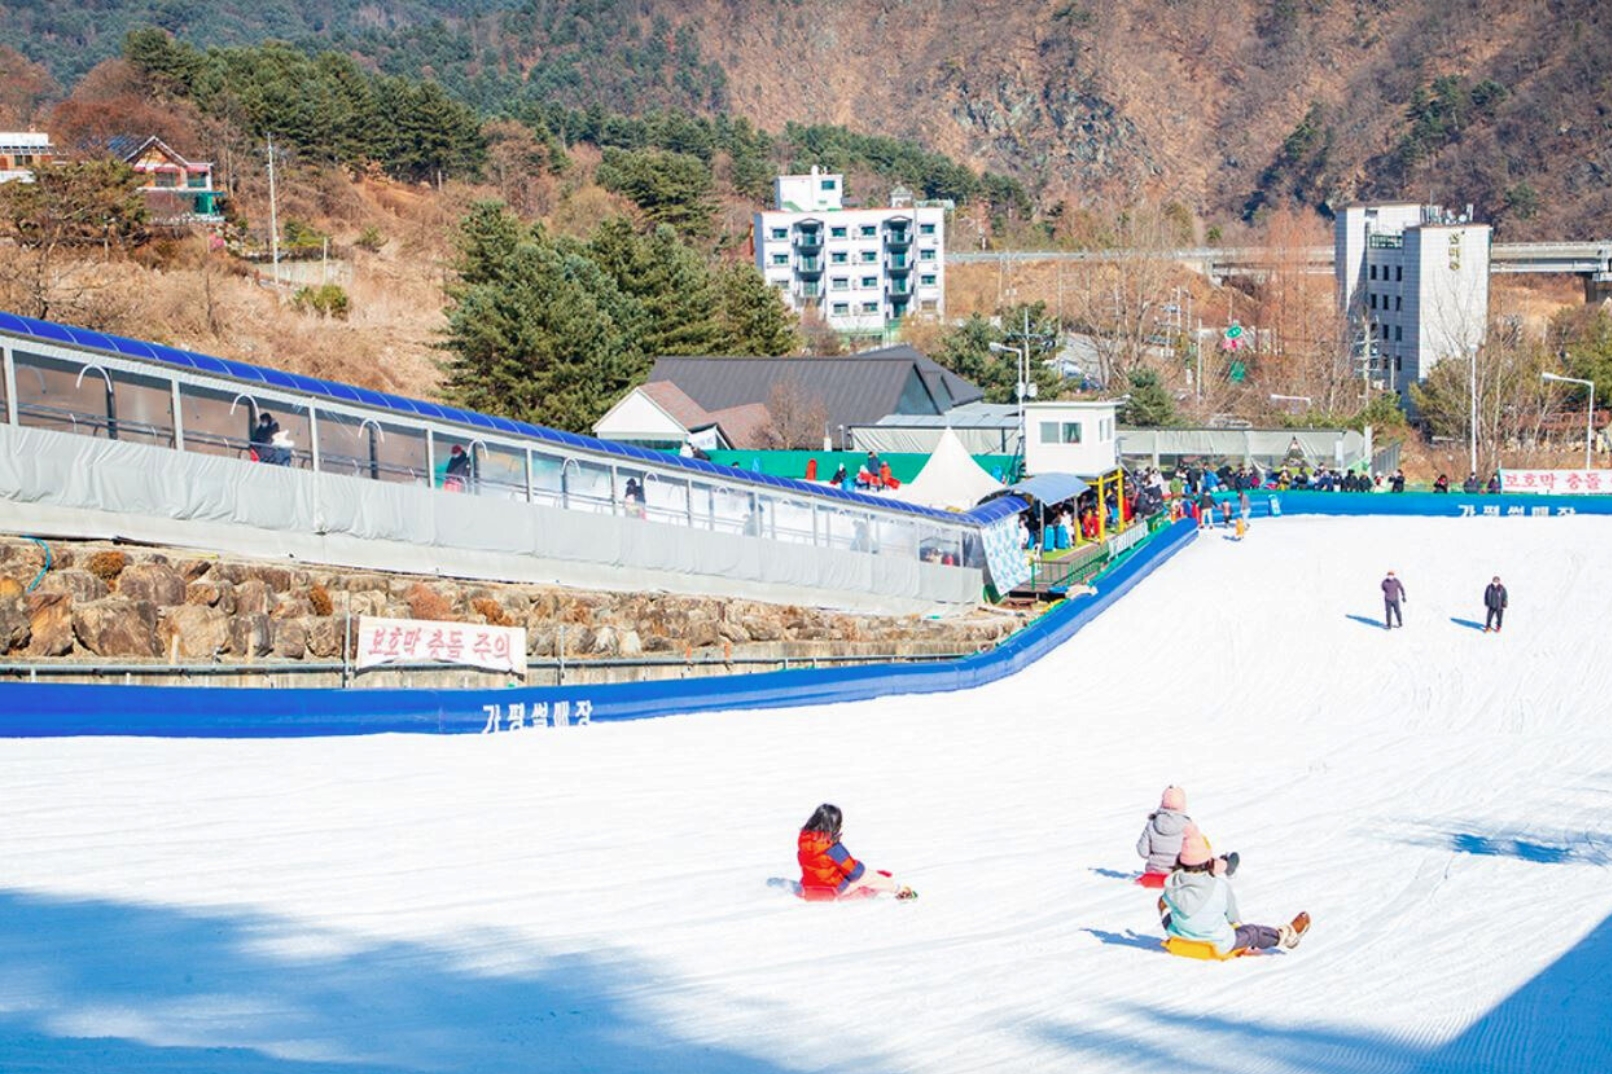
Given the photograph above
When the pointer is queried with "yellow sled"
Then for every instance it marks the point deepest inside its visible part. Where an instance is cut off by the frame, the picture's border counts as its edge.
(1201, 949)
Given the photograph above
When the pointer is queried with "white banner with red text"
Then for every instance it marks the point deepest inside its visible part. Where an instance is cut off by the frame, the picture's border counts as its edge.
(417, 641)
(1557, 482)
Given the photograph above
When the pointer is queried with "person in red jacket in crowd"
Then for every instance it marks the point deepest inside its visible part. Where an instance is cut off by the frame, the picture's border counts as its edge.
(827, 869)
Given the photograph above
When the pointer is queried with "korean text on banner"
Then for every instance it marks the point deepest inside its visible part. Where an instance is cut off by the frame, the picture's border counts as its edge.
(410, 641)
(1557, 482)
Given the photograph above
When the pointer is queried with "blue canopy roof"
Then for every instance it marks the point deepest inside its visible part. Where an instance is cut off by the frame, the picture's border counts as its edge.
(1051, 488)
(66, 335)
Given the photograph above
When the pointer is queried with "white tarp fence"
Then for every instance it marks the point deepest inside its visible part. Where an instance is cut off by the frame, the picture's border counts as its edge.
(58, 484)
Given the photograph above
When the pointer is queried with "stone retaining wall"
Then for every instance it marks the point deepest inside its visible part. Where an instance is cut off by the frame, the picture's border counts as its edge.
(129, 604)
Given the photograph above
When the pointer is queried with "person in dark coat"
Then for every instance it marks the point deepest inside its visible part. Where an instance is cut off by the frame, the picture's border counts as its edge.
(1397, 482)
(1393, 596)
(1471, 486)
(1494, 603)
(1441, 484)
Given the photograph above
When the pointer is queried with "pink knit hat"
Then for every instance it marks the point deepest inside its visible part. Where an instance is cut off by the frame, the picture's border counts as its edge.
(1174, 798)
(1194, 847)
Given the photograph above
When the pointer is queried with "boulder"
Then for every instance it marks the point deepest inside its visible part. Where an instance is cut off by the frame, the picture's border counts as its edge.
(16, 627)
(292, 607)
(253, 597)
(82, 586)
(324, 638)
(251, 635)
(50, 619)
(761, 628)
(12, 588)
(213, 594)
(202, 632)
(290, 639)
(117, 627)
(630, 644)
(278, 579)
(154, 582)
(192, 569)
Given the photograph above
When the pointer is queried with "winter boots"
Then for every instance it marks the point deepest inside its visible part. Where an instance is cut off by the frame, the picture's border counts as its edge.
(1292, 933)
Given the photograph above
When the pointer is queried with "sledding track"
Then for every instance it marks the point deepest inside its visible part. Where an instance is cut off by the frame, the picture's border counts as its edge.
(593, 898)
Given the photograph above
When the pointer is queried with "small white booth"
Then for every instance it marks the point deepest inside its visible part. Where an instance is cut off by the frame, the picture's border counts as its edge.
(1069, 437)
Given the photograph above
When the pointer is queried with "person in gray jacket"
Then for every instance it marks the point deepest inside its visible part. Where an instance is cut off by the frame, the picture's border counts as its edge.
(1393, 595)
(1494, 603)
(1160, 842)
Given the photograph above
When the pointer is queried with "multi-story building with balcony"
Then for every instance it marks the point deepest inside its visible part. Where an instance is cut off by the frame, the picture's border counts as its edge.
(1413, 281)
(863, 270)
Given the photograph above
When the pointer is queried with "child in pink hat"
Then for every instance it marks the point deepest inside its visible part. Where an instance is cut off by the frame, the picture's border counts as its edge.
(1199, 905)
(1160, 841)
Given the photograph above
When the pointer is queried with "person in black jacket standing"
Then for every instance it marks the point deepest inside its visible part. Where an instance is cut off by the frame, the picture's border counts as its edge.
(1393, 594)
(1494, 602)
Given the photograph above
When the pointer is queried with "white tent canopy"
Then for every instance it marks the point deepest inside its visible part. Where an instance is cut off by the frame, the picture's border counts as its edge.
(950, 479)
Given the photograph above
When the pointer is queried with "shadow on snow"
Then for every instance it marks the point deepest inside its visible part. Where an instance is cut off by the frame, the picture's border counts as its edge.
(93, 985)
(1554, 1024)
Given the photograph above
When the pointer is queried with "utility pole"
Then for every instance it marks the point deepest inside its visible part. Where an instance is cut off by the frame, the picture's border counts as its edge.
(274, 220)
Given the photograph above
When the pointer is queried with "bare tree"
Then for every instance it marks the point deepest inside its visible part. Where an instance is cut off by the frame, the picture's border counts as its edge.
(1120, 303)
(798, 420)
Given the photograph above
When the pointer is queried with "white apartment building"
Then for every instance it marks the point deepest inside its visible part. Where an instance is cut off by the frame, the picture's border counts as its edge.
(864, 269)
(1413, 281)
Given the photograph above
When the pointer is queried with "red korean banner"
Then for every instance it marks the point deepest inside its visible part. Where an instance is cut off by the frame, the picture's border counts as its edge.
(1557, 482)
(416, 641)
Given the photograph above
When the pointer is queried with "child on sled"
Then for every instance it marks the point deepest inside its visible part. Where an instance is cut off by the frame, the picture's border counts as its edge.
(1200, 908)
(827, 869)
(1160, 842)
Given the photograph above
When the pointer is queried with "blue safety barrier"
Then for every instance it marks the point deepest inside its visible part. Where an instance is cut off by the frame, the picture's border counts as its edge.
(40, 710)
(1430, 504)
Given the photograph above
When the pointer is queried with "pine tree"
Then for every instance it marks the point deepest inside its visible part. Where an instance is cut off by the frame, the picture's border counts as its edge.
(752, 315)
(672, 282)
(537, 330)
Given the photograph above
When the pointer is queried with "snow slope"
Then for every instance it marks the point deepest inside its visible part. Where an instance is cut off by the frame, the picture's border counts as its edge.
(593, 899)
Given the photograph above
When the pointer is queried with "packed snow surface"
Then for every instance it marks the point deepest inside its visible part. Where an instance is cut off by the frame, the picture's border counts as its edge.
(595, 899)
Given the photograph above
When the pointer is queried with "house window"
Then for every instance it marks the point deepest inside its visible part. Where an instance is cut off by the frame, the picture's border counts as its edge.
(780, 259)
(926, 253)
(927, 279)
(926, 229)
(870, 281)
(1399, 273)
(1373, 301)
(1060, 432)
(839, 283)
(870, 307)
(808, 290)
(1399, 334)
(840, 309)
(868, 231)
(1398, 364)
(868, 257)
(1373, 272)
(929, 305)
(830, 184)
(838, 257)
(780, 233)
(1399, 302)
(836, 232)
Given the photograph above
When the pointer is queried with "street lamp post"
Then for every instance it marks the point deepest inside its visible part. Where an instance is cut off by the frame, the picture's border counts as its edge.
(1472, 408)
(1021, 355)
(1589, 418)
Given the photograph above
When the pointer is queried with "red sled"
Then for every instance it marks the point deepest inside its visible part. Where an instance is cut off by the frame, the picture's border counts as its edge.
(1152, 880)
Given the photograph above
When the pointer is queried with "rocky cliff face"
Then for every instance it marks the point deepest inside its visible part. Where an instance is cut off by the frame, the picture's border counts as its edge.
(1227, 107)
(146, 605)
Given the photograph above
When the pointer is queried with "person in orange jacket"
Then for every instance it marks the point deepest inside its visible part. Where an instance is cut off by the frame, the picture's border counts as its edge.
(827, 869)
